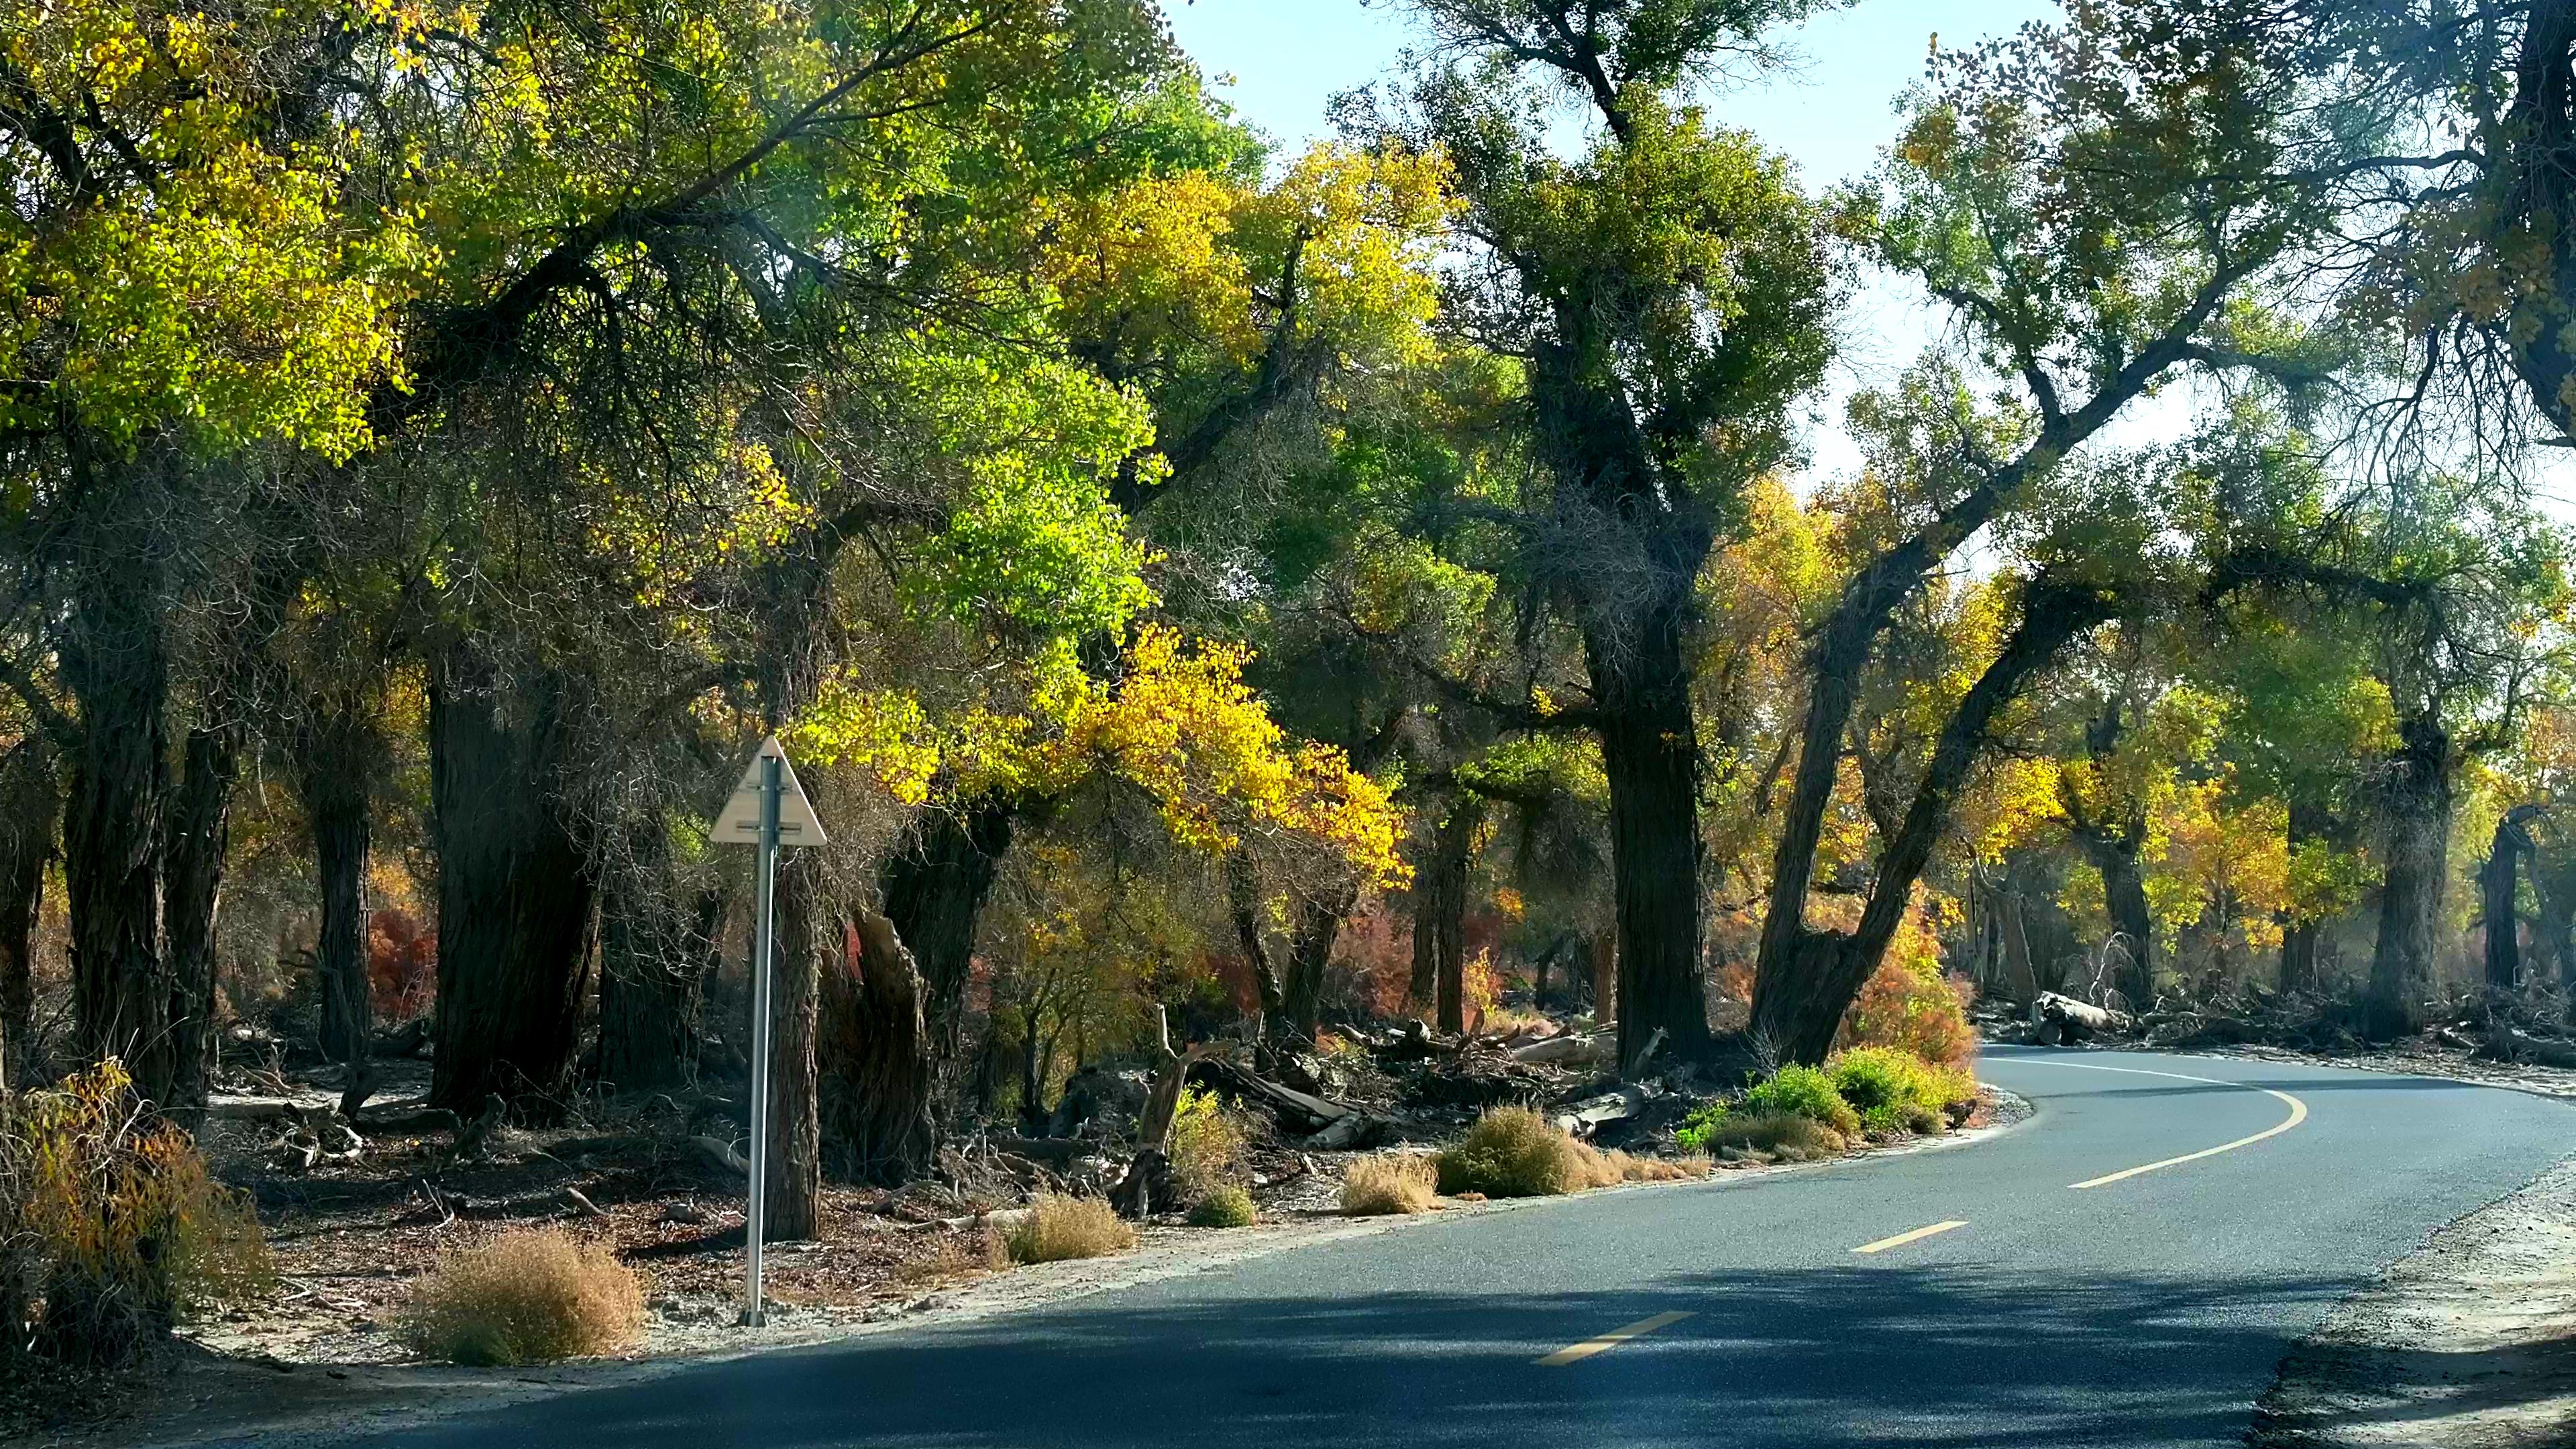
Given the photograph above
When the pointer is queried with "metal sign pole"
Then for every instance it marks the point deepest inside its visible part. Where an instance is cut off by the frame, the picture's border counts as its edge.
(765, 876)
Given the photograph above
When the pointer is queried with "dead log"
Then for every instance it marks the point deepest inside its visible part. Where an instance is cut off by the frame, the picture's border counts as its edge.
(1351, 1130)
(2075, 1020)
(408, 1040)
(1055, 1152)
(2504, 1044)
(1298, 1112)
(1148, 1179)
(1591, 1049)
(720, 1153)
(1593, 1113)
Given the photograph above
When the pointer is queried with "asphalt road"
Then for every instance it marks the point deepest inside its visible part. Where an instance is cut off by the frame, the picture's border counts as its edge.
(2149, 1309)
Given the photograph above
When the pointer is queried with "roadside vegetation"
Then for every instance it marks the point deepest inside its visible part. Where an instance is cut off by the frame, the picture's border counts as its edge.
(1331, 670)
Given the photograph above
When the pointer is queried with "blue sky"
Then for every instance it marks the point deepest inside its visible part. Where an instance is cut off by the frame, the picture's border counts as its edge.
(1831, 114)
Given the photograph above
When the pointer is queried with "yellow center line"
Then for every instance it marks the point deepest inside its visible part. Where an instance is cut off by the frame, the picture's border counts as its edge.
(1916, 1236)
(1576, 1353)
(2298, 1114)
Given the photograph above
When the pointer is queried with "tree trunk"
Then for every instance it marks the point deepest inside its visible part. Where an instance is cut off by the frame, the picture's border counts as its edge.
(1243, 903)
(514, 886)
(1798, 1004)
(1310, 954)
(1605, 979)
(2416, 801)
(1440, 910)
(879, 1077)
(116, 667)
(657, 946)
(2124, 890)
(1650, 752)
(795, 1205)
(2500, 898)
(30, 803)
(933, 889)
(338, 752)
(2298, 933)
(199, 825)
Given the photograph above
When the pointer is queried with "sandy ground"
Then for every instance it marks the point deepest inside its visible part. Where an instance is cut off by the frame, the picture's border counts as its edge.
(2470, 1343)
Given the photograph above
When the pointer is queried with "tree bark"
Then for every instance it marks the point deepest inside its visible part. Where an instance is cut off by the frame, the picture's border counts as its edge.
(795, 1203)
(514, 886)
(880, 1078)
(2416, 801)
(115, 665)
(1440, 910)
(30, 806)
(657, 945)
(933, 889)
(1310, 954)
(338, 758)
(192, 873)
(1650, 753)
(2500, 897)
(2124, 891)
(1799, 1006)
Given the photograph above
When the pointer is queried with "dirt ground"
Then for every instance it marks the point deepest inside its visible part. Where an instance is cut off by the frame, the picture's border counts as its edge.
(2470, 1343)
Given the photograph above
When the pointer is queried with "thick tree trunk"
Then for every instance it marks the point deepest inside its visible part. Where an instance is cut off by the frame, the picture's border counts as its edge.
(1440, 910)
(1798, 1004)
(1243, 904)
(1650, 752)
(30, 803)
(879, 1079)
(338, 759)
(192, 866)
(1310, 954)
(2416, 804)
(657, 946)
(2500, 900)
(2124, 890)
(933, 889)
(116, 666)
(795, 1206)
(514, 887)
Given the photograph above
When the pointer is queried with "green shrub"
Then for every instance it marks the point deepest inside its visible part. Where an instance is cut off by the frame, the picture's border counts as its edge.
(1207, 1143)
(111, 1229)
(1895, 1090)
(1697, 1132)
(1389, 1184)
(1807, 1093)
(1226, 1207)
(1059, 1227)
(1789, 1135)
(529, 1296)
(1513, 1152)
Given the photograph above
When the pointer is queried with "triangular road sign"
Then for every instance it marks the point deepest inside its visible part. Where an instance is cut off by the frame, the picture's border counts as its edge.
(740, 822)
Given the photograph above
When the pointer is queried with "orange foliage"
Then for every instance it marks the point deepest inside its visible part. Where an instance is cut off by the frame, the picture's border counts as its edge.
(1913, 1006)
(402, 965)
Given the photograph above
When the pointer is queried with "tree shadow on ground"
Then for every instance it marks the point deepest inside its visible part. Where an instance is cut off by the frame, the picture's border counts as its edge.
(1917, 1356)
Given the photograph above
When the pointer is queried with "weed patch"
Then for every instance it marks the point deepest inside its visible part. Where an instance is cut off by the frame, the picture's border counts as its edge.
(526, 1297)
(1058, 1228)
(1227, 1207)
(1388, 1184)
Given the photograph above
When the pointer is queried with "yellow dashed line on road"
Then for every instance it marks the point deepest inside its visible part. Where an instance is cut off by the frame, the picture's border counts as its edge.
(1576, 1353)
(1916, 1236)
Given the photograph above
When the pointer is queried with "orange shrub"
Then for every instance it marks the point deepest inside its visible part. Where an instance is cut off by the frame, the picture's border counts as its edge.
(1913, 1006)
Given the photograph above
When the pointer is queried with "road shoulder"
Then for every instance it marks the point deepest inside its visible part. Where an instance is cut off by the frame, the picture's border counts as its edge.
(2468, 1343)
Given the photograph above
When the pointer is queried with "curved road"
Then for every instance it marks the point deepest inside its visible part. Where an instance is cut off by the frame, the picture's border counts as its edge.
(2145, 1308)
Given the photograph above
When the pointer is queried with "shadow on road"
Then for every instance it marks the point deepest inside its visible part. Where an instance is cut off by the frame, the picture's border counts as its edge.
(1930, 1356)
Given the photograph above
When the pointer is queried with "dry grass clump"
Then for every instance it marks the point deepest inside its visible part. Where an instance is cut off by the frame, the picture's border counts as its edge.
(1513, 1152)
(1058, 1228)
(532, 1296)
(1226, 1207)
(1388, 1184)
(975, 1251)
